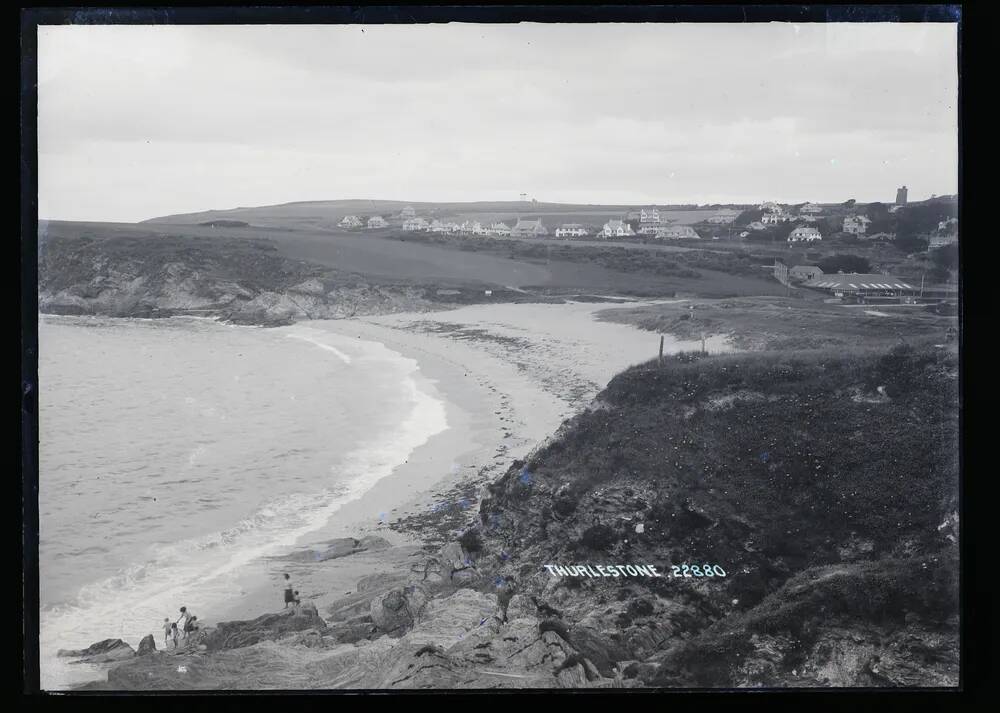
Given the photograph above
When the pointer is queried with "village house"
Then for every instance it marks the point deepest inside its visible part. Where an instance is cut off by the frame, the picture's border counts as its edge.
(940, 241)
(528, 229)
(350, 221)
(616, 229)
(499, 229)
(810, 208)
(950, 224)
(471, 226)
(804, 234)
(649, 215)
(377, 221)
(407, 212)
(804, 272)
(808, 218)
(775, 218)
(571, 230)
(415, 224)
(856, 224)
(677, 232)
(770, 207)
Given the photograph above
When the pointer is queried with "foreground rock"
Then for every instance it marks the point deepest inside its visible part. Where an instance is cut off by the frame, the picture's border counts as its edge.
(236, 634)
(146, 646)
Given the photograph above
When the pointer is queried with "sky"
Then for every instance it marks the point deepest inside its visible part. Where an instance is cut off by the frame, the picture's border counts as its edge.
(141, 121)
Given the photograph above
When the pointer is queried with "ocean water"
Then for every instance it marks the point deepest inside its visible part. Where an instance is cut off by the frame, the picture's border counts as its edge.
(174, 454)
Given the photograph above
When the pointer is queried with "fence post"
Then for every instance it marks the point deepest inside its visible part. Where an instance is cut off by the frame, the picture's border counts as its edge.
(660, 360)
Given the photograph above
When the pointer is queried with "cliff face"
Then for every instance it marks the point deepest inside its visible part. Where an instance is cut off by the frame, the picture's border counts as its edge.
(241, 280)
(825, 487)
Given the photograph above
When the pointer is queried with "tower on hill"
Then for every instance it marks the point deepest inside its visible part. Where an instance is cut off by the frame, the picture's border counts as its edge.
(901, 196)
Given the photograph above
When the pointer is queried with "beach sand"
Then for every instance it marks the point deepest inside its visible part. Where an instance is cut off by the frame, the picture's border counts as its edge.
(509, 375)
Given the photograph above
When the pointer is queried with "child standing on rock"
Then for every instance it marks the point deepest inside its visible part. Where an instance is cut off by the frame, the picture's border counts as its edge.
(289, 590)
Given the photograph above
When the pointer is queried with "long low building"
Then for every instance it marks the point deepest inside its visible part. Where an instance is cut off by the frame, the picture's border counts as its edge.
(842, 285)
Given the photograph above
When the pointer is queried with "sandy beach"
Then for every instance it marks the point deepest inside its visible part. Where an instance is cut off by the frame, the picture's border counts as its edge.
(509, 375)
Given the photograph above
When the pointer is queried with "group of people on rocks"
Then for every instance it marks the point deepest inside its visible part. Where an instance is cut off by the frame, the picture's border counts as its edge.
(175, 633)
(178, 631)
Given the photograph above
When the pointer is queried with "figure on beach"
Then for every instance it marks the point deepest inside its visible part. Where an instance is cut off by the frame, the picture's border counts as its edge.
(296, 599)
(289, 590)
(168, 630)
(174, 633)
(184, 622)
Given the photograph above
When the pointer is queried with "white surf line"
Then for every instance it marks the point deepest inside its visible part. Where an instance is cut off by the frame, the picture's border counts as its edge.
(339, 354)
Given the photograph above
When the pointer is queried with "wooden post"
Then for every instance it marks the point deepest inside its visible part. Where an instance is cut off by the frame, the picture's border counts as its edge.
(702, 342)
(660, 360)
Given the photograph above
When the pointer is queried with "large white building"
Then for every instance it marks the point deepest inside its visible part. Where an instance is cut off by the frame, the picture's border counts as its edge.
(649, 215)
(571, 230)
(415, 224)
(856, 224)
(350, 221)
(499, 229)
(616, 229)
(377, 221)
(804, 234)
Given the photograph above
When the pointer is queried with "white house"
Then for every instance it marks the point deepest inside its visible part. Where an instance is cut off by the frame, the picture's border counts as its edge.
(810, 208)
(471, 226)
(350, 221)
(804, 234)
(377, 221)
(529, 229)
(407, 212)
(649, 215)
(616, 229)
(499, 229)
(571, 230)
(775, 218)
(415, 224)
(856, 224)
(677, 232)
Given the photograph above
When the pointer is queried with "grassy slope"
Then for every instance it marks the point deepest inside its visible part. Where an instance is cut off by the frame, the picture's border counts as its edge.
(770, 465)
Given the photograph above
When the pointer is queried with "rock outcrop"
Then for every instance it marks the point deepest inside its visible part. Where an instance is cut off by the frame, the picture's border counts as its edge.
(146, 646)
(105, 651)
(238, 634)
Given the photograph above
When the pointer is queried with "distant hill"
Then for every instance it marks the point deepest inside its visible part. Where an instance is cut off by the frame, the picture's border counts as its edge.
(326, 214)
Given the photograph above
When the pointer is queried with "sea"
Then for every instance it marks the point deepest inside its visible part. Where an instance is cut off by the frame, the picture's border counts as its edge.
(176, 454)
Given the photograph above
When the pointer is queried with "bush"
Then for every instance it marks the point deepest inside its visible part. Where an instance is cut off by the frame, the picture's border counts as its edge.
(598, 537)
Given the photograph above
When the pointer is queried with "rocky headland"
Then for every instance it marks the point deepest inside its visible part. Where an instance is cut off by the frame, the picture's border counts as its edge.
(823, 485)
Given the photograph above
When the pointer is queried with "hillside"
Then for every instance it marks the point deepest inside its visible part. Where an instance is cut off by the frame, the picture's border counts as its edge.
(256, 275)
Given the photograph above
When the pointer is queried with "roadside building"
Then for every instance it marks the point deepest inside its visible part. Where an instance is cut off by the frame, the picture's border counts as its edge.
(804, 234)
(649, 215)
(571, 230)
(407, 212)
(804, 272)
(856, 224)
(616, 229)
(413, 224)
(528, 229)
(377, 221)
(940, 241)
(350, 221)
(499, 229)
(677, 232)
(863, 286)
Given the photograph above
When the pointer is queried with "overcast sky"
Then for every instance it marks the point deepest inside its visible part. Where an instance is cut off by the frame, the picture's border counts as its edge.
(140, 121)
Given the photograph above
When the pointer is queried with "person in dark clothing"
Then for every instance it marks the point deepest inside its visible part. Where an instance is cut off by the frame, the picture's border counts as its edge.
(289, 591)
